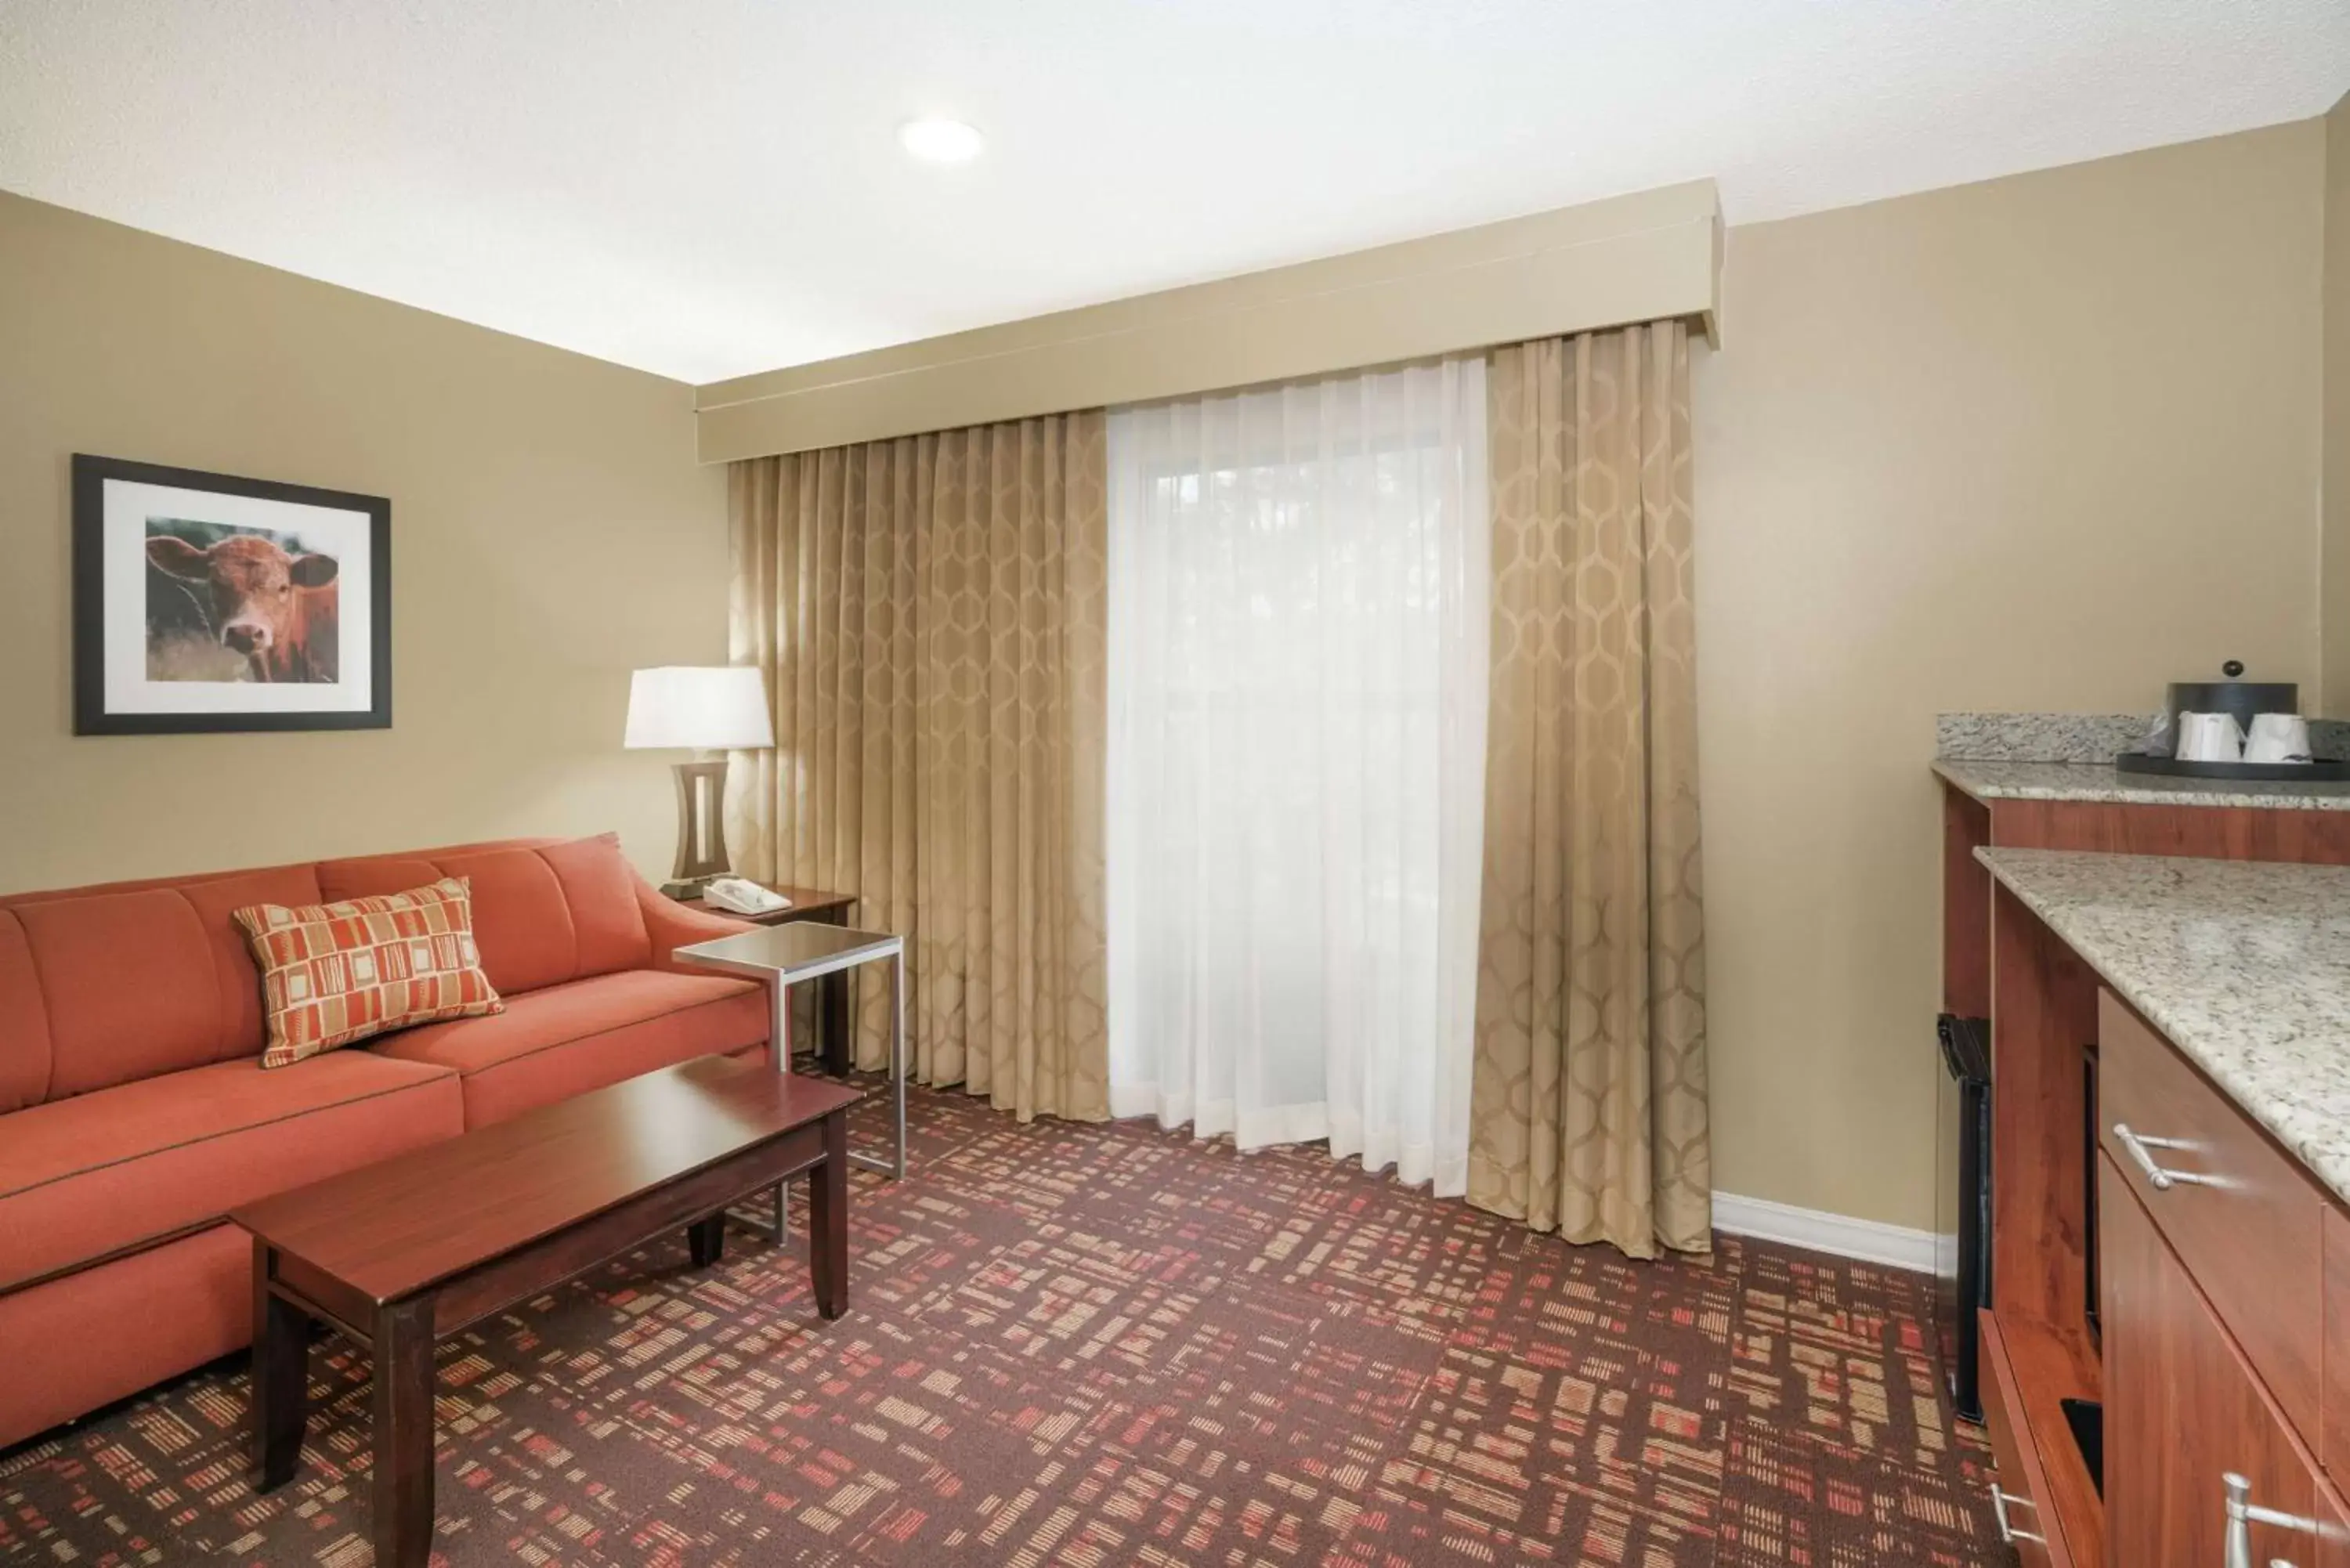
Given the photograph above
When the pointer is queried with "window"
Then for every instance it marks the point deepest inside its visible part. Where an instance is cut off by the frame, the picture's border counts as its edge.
(1297, 684)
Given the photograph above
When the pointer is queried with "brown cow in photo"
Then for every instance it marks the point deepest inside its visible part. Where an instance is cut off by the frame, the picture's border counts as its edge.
(277, 609)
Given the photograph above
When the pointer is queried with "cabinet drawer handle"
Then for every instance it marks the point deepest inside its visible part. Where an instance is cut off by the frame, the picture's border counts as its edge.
(2138, 1147)
(2007, 1534)
(2243, 1514)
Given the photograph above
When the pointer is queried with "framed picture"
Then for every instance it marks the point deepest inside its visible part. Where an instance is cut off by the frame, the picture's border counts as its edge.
(207, 602)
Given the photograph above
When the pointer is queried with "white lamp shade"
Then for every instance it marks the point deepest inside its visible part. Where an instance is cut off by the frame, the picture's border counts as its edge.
(703, 708)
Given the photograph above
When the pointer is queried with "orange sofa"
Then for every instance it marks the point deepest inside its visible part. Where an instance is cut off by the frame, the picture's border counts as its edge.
(134, 1113)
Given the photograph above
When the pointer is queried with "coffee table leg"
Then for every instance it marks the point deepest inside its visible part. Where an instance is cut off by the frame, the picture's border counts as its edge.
(707, 1238)
(403, 1434)
(780, 1028)
(281, 1375)
(828, 1219)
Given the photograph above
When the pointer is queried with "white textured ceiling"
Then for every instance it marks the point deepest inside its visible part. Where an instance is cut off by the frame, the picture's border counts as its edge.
(709, 187)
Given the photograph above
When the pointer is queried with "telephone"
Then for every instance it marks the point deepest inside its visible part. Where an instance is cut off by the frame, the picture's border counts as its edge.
(742, 897)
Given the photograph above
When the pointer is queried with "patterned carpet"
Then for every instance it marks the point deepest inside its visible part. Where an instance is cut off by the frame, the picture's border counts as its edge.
(1093, 1346)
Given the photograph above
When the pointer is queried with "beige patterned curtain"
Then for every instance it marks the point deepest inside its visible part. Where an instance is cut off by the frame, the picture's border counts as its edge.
(929, 614)
(1588, 1100)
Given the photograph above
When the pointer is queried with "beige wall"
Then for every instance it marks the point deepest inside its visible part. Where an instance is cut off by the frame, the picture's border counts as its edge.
(550, 530)
(2335, 549)
(2041, 443)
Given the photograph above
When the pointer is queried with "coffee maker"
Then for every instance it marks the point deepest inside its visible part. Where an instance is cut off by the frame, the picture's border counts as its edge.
(2231, 728)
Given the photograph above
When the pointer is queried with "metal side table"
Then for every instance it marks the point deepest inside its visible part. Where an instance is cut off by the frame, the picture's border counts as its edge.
(783, 957)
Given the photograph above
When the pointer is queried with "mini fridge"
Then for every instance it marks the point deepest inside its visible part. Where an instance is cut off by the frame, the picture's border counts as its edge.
(1963, 1202)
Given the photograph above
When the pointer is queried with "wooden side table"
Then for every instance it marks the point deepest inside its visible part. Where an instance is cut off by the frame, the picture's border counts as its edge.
(832, 1042)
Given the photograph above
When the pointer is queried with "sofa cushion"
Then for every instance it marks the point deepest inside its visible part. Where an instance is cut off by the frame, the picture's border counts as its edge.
(600, 890)
(522, 920)
(543, 913)
(565, 1040)
(150, 980)
(24, 1056)
(372, 876)
(216, 900)
(87, 1176)
(128, 980)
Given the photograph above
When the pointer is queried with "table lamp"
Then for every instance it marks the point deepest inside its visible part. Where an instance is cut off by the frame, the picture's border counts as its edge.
(710, 711)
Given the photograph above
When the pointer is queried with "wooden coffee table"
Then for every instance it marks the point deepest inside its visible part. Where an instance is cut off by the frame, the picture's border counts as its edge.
(399, 1254)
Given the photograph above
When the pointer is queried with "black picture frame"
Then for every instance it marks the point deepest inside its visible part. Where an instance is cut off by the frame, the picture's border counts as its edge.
(91, 717)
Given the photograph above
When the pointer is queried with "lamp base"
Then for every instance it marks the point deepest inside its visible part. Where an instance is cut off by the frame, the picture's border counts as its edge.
(686, 891)
(700, 822)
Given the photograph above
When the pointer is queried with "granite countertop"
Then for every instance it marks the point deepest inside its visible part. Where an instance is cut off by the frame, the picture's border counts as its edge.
(2244, 965)
(2102, 782)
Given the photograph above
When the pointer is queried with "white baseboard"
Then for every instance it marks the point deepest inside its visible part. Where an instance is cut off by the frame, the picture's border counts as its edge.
(1895, 1246)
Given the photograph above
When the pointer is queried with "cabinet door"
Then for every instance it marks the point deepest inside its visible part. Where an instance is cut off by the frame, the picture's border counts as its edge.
(2182, 1411)
(2336, 1450)
(2017, 1488)
(2251, 1239)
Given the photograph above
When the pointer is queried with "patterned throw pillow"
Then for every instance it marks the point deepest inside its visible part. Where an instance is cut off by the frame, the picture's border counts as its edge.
(335, 973)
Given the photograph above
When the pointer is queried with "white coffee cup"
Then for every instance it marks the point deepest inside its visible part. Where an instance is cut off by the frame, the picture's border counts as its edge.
(2187, 745)
(2209, 738)
(2278, 738)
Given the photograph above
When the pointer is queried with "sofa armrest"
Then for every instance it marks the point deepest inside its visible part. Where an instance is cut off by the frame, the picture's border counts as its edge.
(672, 926)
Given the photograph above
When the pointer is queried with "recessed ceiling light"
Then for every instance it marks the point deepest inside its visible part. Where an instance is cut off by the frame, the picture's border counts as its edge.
(940, 140)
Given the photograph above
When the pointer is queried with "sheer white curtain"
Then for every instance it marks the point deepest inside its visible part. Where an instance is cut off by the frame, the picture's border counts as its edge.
(1299, 589)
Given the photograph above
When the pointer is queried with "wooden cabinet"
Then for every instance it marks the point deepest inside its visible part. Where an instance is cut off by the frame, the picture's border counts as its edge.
(2336, 1444)
(2244, 1218)
(2018, 1487)
(2044, 1010)
(2333, 1522)
(2184, 1410)
(2221, 1342)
